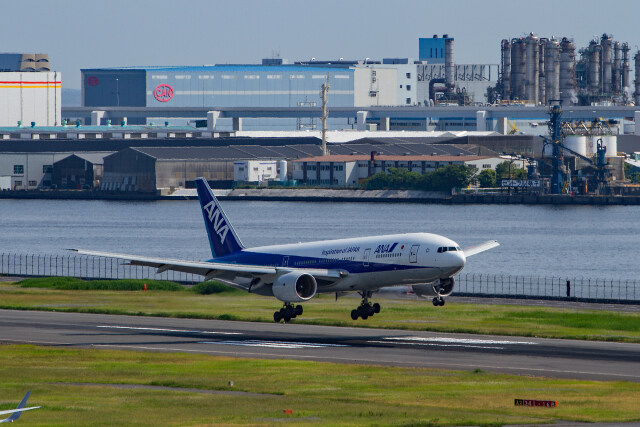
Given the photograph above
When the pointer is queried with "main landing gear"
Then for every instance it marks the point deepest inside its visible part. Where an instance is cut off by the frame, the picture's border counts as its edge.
(366, 309)
(288, 312)
(438, 301)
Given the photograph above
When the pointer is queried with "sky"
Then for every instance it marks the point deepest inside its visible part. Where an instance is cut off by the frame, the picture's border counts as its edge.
(95, 33)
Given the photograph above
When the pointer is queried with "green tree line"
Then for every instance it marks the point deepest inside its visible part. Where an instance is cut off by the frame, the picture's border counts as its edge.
(442, 179)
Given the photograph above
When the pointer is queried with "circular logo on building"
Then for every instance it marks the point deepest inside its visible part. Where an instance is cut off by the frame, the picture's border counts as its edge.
(93, 81)
(163, 93)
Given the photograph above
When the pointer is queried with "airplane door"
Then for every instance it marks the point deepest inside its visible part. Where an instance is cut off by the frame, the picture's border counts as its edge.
(365, 259)
(413, 255)
(285, 261)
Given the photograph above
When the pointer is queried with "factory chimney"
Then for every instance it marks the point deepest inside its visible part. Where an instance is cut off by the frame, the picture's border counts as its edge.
(449, 63)
(506, 69)
(567, 72)
(637, 94)
(607, 62)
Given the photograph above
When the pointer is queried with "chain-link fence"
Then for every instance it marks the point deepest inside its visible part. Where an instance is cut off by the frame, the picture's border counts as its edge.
(578, 288)
(467, 284)
(84, 267)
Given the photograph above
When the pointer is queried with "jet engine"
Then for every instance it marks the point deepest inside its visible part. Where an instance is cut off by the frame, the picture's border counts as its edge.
(442, 287)
(294, 287)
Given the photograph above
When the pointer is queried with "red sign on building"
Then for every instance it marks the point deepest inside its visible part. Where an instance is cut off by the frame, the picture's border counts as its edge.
(163, 93)
(93, 81)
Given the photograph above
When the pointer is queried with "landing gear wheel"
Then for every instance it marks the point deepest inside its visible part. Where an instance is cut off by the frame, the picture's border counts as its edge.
(354, 315)
(441, 302)
(277, 317)
(298, 310)
(376, 308)
(436, 302)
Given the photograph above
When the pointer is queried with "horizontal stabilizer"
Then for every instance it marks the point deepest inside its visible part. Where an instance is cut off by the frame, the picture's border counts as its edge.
(474, 250)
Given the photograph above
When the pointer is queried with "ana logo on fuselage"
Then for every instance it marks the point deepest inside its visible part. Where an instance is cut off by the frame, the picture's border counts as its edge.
(385, 249)
(217, 220)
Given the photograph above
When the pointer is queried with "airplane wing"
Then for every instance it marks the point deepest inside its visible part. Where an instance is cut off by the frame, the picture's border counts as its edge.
(474, 250)
(15, 413)
(211, 270)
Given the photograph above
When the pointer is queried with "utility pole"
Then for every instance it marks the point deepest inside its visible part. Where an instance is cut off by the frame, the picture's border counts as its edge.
(324, 94)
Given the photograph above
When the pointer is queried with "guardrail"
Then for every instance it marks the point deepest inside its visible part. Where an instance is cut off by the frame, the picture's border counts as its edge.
(467, 284)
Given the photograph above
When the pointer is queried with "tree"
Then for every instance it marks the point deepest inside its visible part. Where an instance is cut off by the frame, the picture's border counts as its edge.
(487, 178)
(449, 177)
(502, 171)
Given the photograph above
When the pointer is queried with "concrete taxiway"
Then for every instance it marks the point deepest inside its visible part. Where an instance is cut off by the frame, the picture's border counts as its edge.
(514, 355)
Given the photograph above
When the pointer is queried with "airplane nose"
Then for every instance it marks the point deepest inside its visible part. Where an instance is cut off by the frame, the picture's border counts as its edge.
(461, 259)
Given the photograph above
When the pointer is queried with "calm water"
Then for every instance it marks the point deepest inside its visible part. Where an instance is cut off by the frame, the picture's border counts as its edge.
(597, 242)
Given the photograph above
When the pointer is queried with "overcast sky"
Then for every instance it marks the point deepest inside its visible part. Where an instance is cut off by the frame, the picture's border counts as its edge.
(95, 33)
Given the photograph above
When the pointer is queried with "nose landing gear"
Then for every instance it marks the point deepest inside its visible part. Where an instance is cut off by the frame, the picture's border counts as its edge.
(288, 312)
(366, 309)
(438, 301)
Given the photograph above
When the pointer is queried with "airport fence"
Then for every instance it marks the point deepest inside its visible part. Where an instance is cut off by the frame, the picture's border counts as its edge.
(537, 287)
(467, 284)
(84, 267)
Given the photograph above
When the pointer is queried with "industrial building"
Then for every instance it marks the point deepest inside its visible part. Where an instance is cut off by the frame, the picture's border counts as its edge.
(78, 171)
(537, 70)
(30, 93)
(348, 170)
(34, 170)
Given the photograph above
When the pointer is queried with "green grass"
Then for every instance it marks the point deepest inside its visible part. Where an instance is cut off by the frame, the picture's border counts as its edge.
(74, 284)
(84, 387)
(216, 301)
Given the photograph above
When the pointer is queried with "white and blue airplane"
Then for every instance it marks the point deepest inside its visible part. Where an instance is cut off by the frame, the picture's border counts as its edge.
(295, 273)
(15, 413)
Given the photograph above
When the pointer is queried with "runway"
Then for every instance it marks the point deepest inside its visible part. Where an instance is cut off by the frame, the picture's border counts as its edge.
(514, 355)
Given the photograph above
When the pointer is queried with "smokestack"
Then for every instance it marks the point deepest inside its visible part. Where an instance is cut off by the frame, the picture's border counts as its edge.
(625, 65)
(449, 64)
(505, 50)
(637, 94)
(567, 72)
(607, 62)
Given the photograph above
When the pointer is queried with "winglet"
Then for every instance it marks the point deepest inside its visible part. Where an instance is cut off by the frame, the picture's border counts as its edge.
(222, 237)
(474, 250)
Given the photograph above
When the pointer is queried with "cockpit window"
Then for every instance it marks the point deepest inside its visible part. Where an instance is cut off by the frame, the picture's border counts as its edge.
(448, 249)
(458, 248)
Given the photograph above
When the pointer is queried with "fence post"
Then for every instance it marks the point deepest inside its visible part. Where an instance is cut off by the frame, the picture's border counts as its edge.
(568, 288)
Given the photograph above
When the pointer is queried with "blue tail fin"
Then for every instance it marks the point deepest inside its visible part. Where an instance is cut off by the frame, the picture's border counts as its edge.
(23, 403)
(222, 237)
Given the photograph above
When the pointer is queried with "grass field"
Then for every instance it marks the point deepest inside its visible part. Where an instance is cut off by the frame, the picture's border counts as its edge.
(396, 313)
(78, 387)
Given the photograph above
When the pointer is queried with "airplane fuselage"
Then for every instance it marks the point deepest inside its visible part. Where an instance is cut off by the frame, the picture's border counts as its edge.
(370, 262)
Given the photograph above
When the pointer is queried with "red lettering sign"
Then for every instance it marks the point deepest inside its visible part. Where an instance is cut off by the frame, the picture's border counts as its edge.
(93, 81)
(163, 93)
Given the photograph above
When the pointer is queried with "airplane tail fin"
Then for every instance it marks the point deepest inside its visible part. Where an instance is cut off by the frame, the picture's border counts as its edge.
(222, 237)
(21, 405)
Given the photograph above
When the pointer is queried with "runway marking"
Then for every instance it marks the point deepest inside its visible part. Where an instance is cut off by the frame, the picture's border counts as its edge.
(433, 344)
(458, 340)
(169, 330)
(273, 344)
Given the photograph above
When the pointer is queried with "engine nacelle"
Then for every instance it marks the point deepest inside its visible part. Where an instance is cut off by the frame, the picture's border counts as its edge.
(294, 287)
(442, 287)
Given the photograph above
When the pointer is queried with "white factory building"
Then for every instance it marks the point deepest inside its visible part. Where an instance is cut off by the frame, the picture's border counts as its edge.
(30, 93)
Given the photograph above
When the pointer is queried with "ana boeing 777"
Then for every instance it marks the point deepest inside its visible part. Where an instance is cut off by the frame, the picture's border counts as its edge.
(295, 273)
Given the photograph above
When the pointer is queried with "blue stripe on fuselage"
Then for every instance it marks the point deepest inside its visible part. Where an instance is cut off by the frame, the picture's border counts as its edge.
(295, 261)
